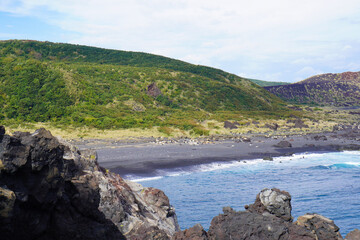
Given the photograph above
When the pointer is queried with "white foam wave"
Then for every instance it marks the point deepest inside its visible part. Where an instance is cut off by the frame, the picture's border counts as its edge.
(294, 159)
(144, 179)
(357, 164)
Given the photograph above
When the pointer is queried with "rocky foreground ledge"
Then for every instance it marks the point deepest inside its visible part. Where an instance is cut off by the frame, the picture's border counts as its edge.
(51, 190)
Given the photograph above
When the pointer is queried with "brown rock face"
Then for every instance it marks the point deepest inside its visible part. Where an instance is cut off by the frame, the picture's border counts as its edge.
(353, 235)
(322, 227)
(153, 90)
(50, 190)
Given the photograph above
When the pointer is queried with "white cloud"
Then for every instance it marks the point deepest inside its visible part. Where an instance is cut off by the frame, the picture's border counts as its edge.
(265, 33)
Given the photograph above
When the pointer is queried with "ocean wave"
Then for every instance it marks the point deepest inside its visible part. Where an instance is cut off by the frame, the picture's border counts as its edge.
(256, 164)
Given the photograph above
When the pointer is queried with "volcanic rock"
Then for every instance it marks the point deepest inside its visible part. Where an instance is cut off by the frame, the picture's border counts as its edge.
(274, 202)
(283, 144)
(197, 232)
(353, 235)
(247, 225)
(320, 138)
(153, 90)
(51, 190)
(269, 218)
(322, 227)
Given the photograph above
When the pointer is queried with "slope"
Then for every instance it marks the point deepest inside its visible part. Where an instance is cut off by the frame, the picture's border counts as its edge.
(262, 83)
(342, 89)
(80, 85)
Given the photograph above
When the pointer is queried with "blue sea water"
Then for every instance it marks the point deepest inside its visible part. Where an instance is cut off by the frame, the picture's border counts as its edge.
(326, 183)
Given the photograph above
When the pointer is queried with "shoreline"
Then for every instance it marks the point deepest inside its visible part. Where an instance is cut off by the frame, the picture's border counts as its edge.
(145, 159)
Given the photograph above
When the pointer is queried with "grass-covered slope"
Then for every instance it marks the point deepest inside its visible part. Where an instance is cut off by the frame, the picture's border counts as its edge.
(80, 85)
(262, 83)
(342, 89)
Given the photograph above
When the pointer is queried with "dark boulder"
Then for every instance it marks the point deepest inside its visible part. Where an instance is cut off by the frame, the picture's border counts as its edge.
(283, 144)
(320, 138)
(247, 225)
(51, 190)
(322, 227)
(46, 197)
(153, 90)
(269, 218)
(197, 232)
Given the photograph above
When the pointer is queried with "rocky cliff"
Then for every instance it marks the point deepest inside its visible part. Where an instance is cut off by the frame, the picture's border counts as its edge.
(340, 89)
(51, 190)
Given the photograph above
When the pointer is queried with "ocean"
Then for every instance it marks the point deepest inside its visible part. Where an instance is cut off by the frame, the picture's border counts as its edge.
(323, 183)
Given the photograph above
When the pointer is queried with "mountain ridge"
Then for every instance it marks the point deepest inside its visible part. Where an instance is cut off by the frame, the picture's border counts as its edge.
(329, 89)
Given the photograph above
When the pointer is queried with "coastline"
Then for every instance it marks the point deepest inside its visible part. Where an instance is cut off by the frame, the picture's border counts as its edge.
(149, 157)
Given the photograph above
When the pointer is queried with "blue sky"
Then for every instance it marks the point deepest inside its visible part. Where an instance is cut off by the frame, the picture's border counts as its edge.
(277, 40)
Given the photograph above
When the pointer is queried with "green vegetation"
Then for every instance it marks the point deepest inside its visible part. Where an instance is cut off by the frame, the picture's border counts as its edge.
(266, 83)
(341, 90)
(107, 89)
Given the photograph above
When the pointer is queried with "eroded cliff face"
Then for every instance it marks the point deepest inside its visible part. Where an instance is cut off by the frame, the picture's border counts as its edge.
(51, 190)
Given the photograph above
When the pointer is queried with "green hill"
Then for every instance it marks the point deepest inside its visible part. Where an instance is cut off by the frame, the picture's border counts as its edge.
(262, 83)
(80, 85)
(339, 89)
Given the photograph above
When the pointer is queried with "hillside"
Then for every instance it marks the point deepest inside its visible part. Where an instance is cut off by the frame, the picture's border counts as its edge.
(342, 89)
(80, 85)
(262, 83)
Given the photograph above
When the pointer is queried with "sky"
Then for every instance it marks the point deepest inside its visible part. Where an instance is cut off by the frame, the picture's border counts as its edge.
(272, 40)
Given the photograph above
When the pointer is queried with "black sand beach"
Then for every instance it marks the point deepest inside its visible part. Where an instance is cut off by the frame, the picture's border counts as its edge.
(145, 158)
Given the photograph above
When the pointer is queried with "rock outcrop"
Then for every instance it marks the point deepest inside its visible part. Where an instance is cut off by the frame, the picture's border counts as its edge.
(283, 144)
(320, 226)
(269, 218)
(153, 90)
(353, 235)
(51, 190)
(272, 202)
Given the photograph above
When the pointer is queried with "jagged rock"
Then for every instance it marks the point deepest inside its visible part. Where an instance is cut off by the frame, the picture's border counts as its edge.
(283, 144)
(51, 190)
(274, 202)
(153, 90)
(197, 232)
(269, 218)
(353, 235)
(247, 225)
(322, 227)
